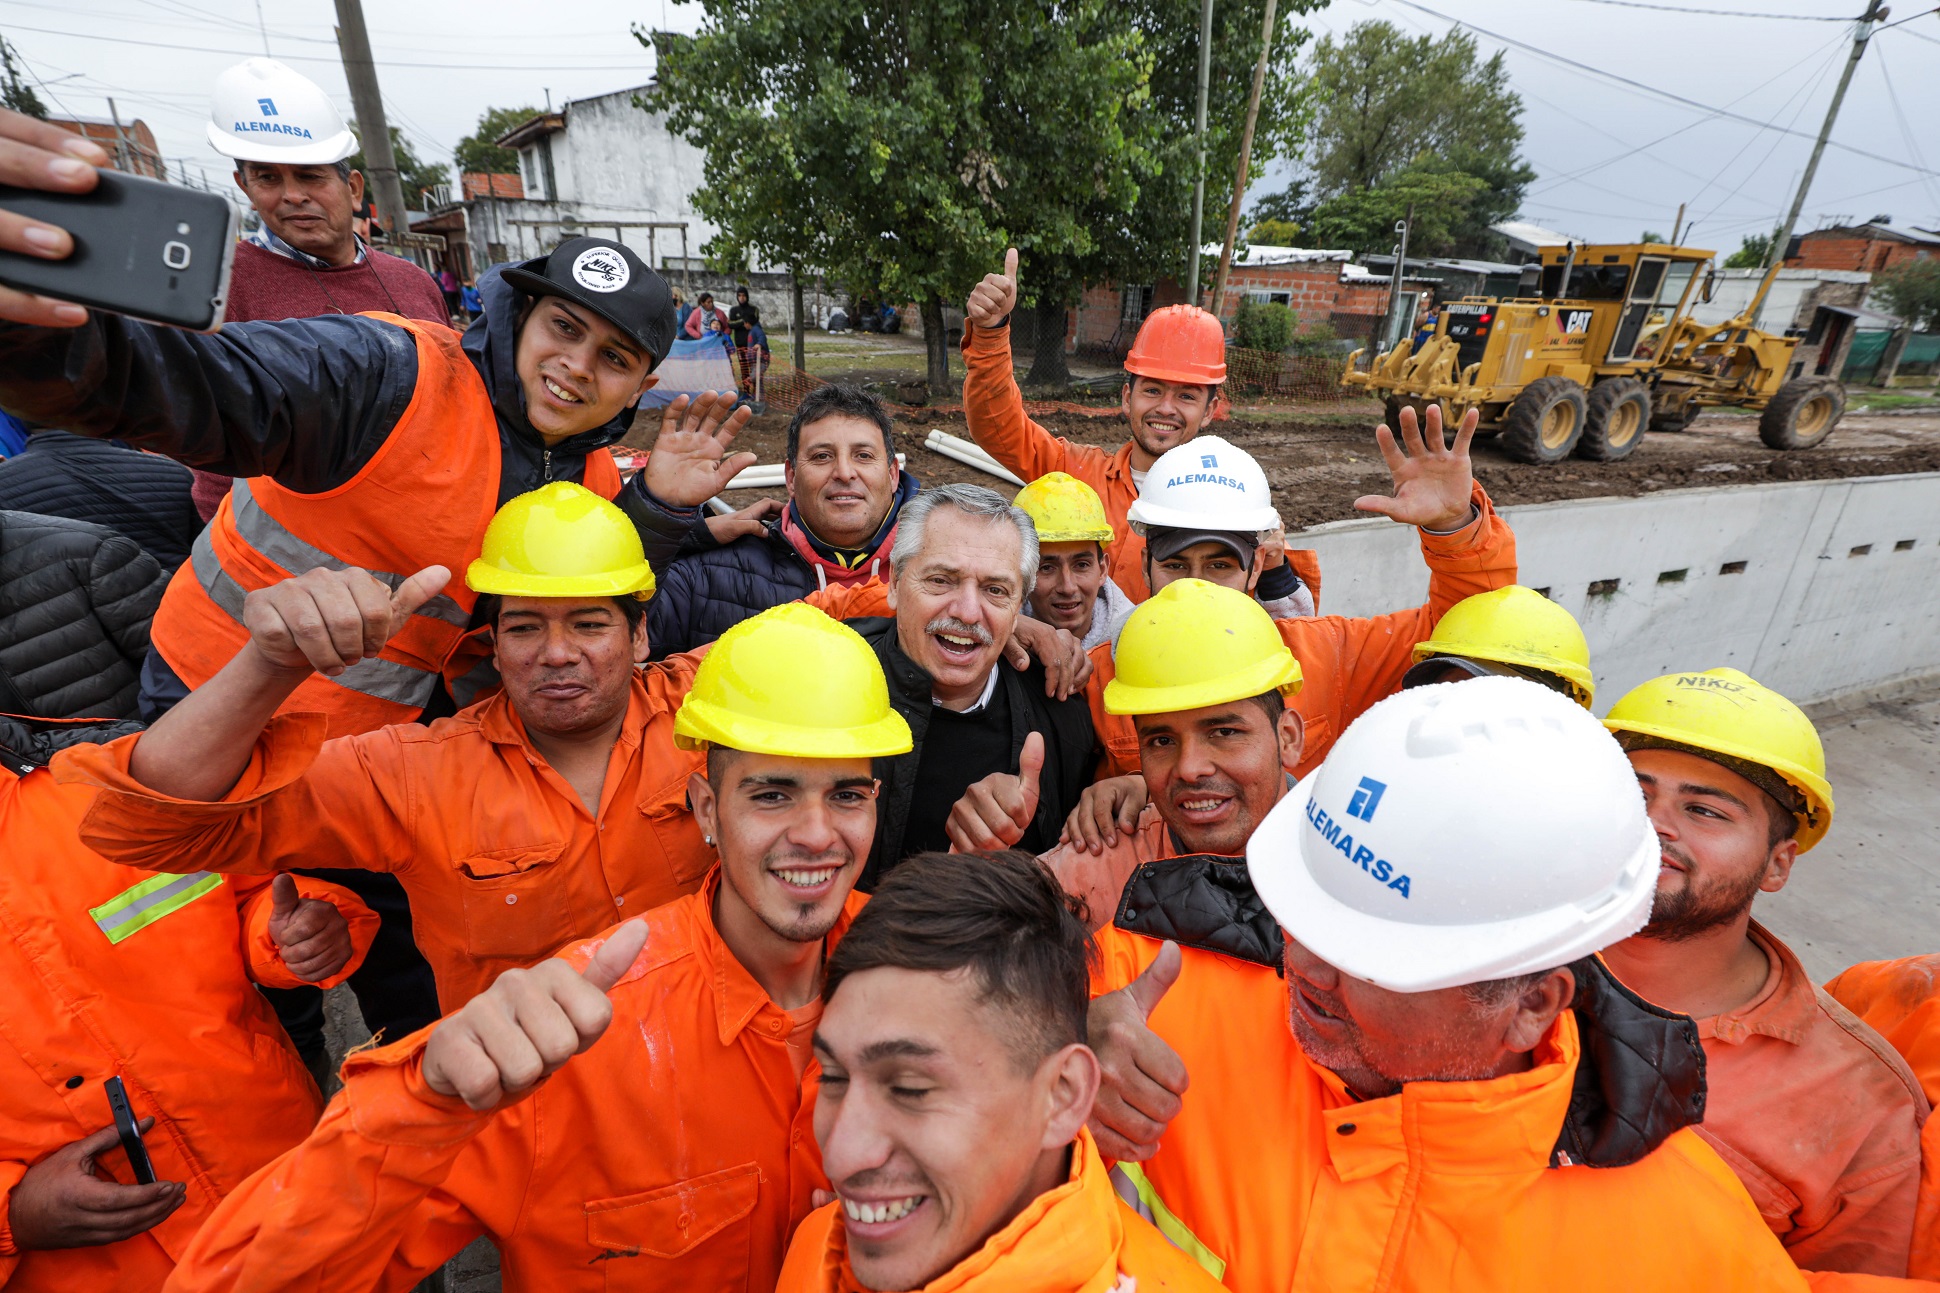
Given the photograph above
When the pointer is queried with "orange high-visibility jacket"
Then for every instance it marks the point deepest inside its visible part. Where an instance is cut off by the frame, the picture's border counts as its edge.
(994, 409)
(424, 499)
(678, 1152)
(1447, 1187)
(501, 860)
(1077, 1238)
(108, 970)
(1346, 664)
(1901, 1001)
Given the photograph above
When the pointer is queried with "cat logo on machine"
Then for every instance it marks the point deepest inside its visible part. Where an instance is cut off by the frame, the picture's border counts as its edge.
(1575, 321)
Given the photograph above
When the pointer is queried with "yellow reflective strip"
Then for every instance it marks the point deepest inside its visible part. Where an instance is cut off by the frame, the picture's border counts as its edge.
(1168, 1223)
(138, 907)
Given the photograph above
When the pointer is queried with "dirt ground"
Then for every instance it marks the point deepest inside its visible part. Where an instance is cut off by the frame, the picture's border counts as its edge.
(1321, 459)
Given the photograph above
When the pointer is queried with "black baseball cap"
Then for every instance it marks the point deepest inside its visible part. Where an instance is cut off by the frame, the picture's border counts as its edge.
(1165, 542)
(612, 282)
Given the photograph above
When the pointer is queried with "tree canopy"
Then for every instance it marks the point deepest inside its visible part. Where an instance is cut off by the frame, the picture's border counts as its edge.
(1911, 290)
(1752, 252)
(1400, 118)
(15, 93)
(413, 172)
(479, 151)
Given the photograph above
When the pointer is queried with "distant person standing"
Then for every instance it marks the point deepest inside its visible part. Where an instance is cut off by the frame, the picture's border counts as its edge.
(448, 284)
(307, 259)
(744, 323)
(707, 320)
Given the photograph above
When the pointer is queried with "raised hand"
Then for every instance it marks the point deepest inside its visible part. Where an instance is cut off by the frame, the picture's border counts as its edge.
(311, 935)
(1432, 483)
(1142, 1077)
(36, 155)
(995, 812)
(1106, 810)
(690, 462)
(62, 1202)
(992, 300)
(1067, 667)
(328, 620)
(519, 1031)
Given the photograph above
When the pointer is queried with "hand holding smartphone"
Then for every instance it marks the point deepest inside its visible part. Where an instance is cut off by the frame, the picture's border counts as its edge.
(131, 1141)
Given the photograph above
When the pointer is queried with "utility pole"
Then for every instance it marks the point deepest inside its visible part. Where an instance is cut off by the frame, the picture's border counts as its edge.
(1875, 13)
(1677, 229)
(353, 42)
(1199, 128)
(1245, 156)
(123, 161)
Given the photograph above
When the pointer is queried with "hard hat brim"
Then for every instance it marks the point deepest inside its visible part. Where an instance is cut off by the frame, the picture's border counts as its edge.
(1817, 792)
(1074, 536)
(635, 581)
(1403, 957)
(319, 152)
(700, 723)
(1580, 678)
(536, 285)
(1185, 377)
(1269, 674)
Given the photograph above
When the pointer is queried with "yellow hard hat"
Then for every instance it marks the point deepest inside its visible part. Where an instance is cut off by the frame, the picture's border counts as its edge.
(1064, 509)
(561, 540)
(791, 681)
(1724, 712)
(1197, 644)
(1516, 626)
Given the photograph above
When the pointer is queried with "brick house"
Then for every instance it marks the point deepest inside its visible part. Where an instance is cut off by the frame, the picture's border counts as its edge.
(1868, 248)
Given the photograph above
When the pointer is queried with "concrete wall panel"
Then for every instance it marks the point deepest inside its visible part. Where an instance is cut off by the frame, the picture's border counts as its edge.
(1805, 586)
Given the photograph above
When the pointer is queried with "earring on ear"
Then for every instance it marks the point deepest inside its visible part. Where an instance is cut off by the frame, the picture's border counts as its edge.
(708, 840)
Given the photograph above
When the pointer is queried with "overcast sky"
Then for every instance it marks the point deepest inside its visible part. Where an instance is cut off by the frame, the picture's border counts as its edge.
(1612, 160)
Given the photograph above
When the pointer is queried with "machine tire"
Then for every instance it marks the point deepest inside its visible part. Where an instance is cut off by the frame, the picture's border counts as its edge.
(1802, 413)
(1545, 422)
(1614, 420)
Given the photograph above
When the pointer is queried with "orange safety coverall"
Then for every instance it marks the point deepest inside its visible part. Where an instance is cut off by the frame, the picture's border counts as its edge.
(994, 409)
(502, 863)
(171, 1007)
(1901, 1000)
(1838, 1186)
(1346, 664)
(1443, 1188)
(678, 1152)
(1077, 1238)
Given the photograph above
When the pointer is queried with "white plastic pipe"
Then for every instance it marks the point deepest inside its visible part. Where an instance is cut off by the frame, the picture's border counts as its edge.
(769, 475)
(967, 453)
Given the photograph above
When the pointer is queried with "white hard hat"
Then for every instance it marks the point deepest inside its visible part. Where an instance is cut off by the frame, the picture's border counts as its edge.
(265, 112)
(1205, 484)
(1459, 833)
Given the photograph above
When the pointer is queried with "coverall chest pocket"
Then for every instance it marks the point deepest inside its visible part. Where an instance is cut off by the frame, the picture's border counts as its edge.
(515, 904)
(701, 1223)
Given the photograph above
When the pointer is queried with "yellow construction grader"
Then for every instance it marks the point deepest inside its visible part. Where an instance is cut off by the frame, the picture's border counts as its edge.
(1597, 346)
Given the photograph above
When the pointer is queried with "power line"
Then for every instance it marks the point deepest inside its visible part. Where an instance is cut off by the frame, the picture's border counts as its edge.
(1650, 90)
(318, 58)
(1722, 13)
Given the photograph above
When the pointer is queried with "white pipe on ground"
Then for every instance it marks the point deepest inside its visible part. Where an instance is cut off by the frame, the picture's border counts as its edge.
(770, 475)
(967, 453)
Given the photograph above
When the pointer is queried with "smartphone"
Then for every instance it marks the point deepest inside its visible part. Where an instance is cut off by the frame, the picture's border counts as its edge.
(142, 248)
(130, 1134)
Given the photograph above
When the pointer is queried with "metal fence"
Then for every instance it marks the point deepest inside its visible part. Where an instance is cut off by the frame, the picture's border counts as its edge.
(1264, 374)
(1921, 358)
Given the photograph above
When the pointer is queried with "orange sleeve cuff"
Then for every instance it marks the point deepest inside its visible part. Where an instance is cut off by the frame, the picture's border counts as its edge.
(10, 1174)
(265, 958)
(390, 1103)
(1487, 538)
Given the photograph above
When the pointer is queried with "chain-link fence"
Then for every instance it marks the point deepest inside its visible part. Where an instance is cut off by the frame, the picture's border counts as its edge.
(1265, 374)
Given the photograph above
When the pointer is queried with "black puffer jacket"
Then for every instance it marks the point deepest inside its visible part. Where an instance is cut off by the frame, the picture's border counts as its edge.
(140, 496)
(75, 602)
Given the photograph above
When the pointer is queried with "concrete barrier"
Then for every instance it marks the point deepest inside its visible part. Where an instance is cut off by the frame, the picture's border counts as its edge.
(1821, 589)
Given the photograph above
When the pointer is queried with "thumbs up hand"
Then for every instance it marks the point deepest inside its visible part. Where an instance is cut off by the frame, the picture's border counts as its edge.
(327, 620)
(519, 1031)
(995, 812)
(1142, 1078)
(311, 935)
(992, 300)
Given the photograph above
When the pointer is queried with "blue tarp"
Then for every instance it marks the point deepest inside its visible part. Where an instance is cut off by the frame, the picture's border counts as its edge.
(690, 368)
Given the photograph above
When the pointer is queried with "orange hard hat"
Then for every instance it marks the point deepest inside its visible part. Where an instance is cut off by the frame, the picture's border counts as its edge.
(1180, 343)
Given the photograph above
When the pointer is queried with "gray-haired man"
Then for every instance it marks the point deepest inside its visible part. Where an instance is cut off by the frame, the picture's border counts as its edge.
(963, 562)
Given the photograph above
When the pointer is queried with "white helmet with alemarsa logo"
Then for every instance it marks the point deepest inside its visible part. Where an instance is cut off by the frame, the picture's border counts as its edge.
(1460, 833)
(1207, 483)
(263, 111)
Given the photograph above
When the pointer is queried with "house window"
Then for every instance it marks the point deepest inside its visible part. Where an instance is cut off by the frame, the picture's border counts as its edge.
(532, 173)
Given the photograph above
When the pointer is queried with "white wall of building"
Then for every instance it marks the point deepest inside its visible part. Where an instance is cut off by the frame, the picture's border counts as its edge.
(1827, 603)
(1780, 309)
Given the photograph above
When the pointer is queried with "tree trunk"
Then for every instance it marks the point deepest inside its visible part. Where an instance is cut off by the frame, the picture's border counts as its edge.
(1047, 348)
(801, 321)
(937, 346)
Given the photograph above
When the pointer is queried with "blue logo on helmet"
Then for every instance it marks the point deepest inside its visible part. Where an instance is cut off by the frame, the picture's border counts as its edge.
(1208, 460)
(268, 106)
(1366, 798)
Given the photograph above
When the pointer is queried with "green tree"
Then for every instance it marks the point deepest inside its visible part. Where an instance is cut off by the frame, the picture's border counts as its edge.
(479, 151)
(1649, 236)
(1363, 220)
(1386, 103)
(15, 93)
(900, 148)
(1274, 233)
(1751, 253)
(1911, 290)
(415, 174)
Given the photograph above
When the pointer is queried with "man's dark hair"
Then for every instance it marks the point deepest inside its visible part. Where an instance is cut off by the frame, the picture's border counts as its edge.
(342, 169)
(632, 609)
(999, 914)
(839, 400)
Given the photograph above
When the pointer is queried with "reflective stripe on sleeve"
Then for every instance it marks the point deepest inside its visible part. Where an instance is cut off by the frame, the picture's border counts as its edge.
(139, 907)
(1152, 1207)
